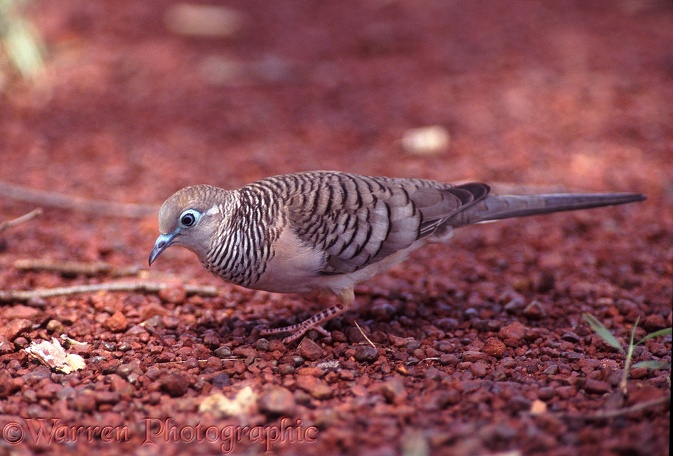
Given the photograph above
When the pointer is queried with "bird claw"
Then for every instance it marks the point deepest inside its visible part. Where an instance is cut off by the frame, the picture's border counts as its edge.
(296, 332)
(302, 328)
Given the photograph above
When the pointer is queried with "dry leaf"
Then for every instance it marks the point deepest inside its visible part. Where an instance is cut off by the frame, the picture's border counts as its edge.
(53, 355)
(220, 406)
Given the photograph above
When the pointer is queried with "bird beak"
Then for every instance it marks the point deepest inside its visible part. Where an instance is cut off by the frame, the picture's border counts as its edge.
(163, 242)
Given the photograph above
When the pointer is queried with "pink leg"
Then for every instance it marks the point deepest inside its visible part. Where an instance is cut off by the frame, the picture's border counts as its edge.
(315, 322)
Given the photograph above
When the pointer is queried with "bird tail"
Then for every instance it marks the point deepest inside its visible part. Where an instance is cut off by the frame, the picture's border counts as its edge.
(497, 207)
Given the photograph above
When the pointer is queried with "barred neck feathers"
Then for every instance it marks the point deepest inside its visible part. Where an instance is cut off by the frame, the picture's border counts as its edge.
(242, 246)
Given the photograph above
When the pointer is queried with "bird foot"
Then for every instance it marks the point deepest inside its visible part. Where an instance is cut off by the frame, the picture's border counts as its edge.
(302, 328)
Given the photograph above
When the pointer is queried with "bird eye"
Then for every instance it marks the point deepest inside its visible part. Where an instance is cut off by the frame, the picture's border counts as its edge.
(189, 218)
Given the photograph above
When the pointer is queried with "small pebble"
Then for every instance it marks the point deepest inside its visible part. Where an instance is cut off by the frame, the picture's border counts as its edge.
(125, 371)
(15, 327)
(66, 393)
(354, 335)
(551, 370)
(109, 346)
(262, 345)
(329, 365)
(6, 384)
(171, 322)
(223, 352)
(310, 350)
(545, 393)
(534, 310)
(19, 311)
(393, 390)
(175, 384)
(5, 346)
(494, 347)
(124, 347)
(448, 359)
(214, 363)
(638, 372)
(314, 386)
(472, 356)
(514, 330)
(315, 371)
(155, 322)
(37, 374)
(120, 385)
(151, 310)
(346, 375)
(30, 396)
(106, 397)
(277, 401)
(245, 352)
(366, 353)
(479, 369)
(286, 369)
(85, 403)
(654, 322)
(175, 294)
(221, 380)
(54, 326)
(570, 337)
(154, 398)
(597, 386)
(117, 322)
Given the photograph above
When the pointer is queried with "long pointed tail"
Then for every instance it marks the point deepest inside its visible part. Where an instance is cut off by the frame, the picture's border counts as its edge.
(497, 207)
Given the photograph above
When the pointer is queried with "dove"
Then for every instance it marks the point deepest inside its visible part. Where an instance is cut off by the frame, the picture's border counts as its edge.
(330, 230)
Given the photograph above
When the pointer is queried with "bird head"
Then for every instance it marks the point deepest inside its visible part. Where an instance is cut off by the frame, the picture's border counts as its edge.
(190, 218)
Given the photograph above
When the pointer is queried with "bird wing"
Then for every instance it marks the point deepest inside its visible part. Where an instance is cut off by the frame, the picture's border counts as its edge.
(357, 220)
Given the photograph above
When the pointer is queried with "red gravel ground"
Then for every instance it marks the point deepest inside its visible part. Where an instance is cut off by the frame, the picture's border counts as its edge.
(480, 347)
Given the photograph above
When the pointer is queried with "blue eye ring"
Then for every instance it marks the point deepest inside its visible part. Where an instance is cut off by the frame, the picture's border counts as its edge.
(189, 218)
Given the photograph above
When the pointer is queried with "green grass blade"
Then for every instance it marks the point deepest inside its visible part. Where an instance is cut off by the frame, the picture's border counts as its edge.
(661, 332)
(633, 335)
(652, 364)
(602, 331)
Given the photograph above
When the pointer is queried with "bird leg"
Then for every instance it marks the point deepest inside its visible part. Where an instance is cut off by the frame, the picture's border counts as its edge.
(315, 322)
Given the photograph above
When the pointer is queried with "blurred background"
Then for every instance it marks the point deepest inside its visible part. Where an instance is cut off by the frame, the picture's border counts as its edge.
(128, 101)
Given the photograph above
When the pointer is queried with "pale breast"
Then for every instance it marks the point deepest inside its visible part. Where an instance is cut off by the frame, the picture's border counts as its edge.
(293, 268)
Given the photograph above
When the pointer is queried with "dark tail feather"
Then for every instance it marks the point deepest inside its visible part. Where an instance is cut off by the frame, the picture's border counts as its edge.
(501, 207)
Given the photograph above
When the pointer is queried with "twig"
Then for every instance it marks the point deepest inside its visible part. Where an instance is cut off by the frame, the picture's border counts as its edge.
(45, 198)
(148, 287)
(607, 414)
(24, 218)
(75, 267)
(364, 335)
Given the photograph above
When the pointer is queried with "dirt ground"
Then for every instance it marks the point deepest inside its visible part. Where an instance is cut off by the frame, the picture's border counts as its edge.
(479, 346)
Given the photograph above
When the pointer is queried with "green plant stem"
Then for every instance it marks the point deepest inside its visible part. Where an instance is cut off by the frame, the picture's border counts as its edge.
(627, 362)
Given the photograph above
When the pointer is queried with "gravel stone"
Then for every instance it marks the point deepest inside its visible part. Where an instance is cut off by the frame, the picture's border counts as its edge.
(16, 327)
(277, 401)
(117, 322)
(175, 384)
(366, 354)
(310, 350)
(494, 347)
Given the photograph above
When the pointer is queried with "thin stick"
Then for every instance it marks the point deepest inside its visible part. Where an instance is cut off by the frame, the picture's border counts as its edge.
(45, 198)
(148, 287)
(24, 218)
(364, 335)
(607, 414)
(75, 267)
